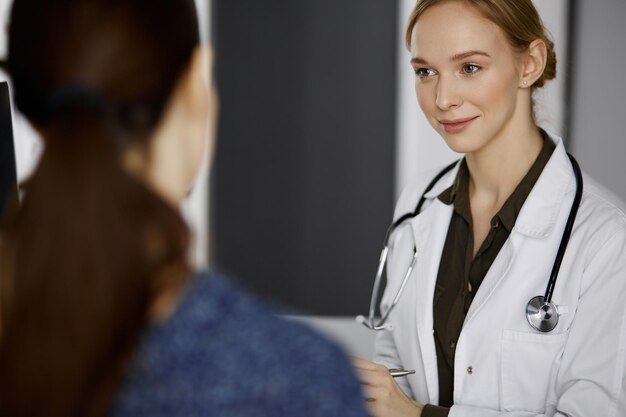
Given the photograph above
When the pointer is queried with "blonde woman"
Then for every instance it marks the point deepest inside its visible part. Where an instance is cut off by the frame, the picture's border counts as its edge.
(482, 321)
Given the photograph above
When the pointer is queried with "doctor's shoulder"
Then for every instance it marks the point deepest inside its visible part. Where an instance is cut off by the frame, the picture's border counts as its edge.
(598, 244)
(601, 198)
(226, 352)
(602, 215)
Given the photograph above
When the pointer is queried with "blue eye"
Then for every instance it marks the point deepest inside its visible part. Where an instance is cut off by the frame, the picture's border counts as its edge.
(470, 68)
(424, 72)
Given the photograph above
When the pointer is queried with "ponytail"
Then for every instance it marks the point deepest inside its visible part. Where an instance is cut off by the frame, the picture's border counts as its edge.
(81, 263)
(92, 249)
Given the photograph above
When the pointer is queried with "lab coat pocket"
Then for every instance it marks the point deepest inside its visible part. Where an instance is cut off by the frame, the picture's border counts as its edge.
(529, 365)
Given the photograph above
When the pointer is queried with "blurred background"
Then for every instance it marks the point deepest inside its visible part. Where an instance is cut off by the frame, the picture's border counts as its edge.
(320, 130)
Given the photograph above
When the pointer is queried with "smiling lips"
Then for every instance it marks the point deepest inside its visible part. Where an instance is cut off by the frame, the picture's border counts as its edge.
(457, 125)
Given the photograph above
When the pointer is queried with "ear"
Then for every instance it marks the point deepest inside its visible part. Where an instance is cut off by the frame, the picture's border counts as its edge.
(186, 131)
(197, 92)
(533, 64)
(196, 82)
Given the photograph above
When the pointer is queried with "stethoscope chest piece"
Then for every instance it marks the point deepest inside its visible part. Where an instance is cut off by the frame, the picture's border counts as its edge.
(542, 315)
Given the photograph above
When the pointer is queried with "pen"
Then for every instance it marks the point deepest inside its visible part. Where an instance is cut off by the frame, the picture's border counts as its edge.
(398, 372)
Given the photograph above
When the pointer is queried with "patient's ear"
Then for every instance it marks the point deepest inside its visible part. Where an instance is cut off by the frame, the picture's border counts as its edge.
(195, 87)
(185, 135)
(199, 97)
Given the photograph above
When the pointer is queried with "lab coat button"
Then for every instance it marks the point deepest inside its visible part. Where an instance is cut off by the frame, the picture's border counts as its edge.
(470, 370)
(452, 344)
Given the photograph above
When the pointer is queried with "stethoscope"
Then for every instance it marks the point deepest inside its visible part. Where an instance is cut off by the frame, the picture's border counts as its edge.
(542, 314)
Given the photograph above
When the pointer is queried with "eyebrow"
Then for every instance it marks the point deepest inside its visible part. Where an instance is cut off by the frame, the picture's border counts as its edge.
(455, 57)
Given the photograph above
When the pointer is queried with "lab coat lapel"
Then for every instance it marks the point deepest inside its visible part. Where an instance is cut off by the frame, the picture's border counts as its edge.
(536, 220)
(430, 229)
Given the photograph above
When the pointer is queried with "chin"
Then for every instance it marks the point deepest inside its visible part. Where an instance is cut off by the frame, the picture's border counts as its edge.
(462, 142)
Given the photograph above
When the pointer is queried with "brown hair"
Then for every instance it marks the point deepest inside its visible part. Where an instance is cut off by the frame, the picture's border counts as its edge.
(91, 247)
(519, 20)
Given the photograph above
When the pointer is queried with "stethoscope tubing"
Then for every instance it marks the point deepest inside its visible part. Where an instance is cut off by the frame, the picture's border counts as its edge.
(379, 325)
(545, 303)
(569, 226)
(421, 202)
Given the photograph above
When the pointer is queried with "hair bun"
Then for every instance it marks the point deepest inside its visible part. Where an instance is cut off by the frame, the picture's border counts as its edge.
(549, 72)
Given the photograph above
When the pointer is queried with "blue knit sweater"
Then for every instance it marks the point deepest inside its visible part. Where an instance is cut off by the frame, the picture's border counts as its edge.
(225, 353)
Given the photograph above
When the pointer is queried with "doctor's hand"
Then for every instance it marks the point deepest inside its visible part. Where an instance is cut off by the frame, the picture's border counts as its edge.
(383, 395)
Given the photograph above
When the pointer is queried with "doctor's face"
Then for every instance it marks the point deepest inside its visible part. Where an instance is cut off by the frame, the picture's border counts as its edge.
(466, 75)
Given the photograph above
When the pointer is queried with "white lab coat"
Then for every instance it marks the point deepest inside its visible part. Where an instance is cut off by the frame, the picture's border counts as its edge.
(503, 367)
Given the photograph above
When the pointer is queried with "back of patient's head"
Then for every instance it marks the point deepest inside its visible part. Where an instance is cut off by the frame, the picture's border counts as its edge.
(90, 248)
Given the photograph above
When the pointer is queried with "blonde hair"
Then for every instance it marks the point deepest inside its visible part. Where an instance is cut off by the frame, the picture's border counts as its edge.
(518, 19)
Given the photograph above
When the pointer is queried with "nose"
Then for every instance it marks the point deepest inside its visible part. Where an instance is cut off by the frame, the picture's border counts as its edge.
(448, 95)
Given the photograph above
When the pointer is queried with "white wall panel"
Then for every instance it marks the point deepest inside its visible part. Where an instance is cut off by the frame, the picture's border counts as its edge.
(418, 146)
(196, 208)
(27, 142)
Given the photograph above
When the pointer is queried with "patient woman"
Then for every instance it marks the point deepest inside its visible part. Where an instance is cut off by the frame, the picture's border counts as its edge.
(101, 311)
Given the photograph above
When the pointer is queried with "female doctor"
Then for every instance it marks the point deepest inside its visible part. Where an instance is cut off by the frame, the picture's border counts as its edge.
(481, 317)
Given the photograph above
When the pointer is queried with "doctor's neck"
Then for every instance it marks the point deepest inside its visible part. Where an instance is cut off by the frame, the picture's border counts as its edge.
(497, 168)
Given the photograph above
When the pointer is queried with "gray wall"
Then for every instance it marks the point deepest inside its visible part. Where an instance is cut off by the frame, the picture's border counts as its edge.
(599, 91)
(304, 170)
